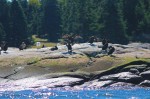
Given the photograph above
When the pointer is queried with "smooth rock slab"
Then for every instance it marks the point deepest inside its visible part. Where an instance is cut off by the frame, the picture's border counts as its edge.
(6, 71)
(120, 84)
(33, 83)
(97, 84)
(29, 71)
(123, 77)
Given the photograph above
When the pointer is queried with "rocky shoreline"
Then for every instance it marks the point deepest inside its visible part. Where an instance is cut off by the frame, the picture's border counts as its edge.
(136, 73)
(85, 67)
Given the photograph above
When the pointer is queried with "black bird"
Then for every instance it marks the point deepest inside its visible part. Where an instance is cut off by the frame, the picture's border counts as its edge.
(105, 46)
(69, 47)
(54, 48)
(111, 50)
(22, 46)
(4, 46)
(91, 40)
(43, 46)
(104, 41)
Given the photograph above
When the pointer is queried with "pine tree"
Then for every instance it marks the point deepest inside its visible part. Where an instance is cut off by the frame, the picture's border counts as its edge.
(2, 33)
(51, 19)
(24, 5)
(93, 10)
(129, 15)
(73, 22)
(114, 24)
(5, 19)
(34, 17)
(142, 12)
(18, 24)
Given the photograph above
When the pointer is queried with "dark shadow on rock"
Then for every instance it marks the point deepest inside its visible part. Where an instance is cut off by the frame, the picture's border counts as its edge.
(71, 53)
(6, 52)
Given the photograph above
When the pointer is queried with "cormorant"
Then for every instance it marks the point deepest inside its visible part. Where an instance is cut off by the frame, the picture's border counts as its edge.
(104, 41)
(43, 46)
(22, 46)
(91, 40)
(69, 47)
(111, 50)
(105, 46)
(4, 46)
(54, 48)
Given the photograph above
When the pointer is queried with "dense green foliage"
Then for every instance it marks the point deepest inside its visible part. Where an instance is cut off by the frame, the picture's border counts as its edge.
(4, 20)
(120, 21)
(2, 32)
(18, 24)
(51, 19)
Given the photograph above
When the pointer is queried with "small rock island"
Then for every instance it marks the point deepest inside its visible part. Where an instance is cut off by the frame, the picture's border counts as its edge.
(85, 67)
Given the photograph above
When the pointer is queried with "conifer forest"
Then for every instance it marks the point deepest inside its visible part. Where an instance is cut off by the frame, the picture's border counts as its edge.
(120, 21)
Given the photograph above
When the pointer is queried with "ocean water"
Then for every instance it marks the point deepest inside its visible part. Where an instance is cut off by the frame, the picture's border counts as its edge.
(109, 93)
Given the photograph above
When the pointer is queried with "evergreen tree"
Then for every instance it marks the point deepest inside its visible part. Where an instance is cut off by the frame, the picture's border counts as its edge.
(2, 33)
(51, 19)
(34, 17)
(73, 22)
(5, 18)
(117, 20)
(93, 15)
(24, 4)
(143, 17)
(130, 15)
(114, 24)
(18, 24)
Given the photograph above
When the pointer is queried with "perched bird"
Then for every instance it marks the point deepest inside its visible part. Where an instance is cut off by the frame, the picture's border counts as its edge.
(69, 47)
(104, 41)
(54, 48)
(111, 50)
(43, 46)
(91, 40)
(4, 46)
(105, 46)
(22, 46)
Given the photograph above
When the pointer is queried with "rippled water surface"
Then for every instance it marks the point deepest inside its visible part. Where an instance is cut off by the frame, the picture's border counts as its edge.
(136, 93)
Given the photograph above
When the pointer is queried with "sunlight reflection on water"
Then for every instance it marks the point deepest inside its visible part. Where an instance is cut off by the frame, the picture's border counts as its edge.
(110, 93)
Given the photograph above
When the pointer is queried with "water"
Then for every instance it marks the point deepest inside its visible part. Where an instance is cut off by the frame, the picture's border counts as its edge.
(132, 93)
